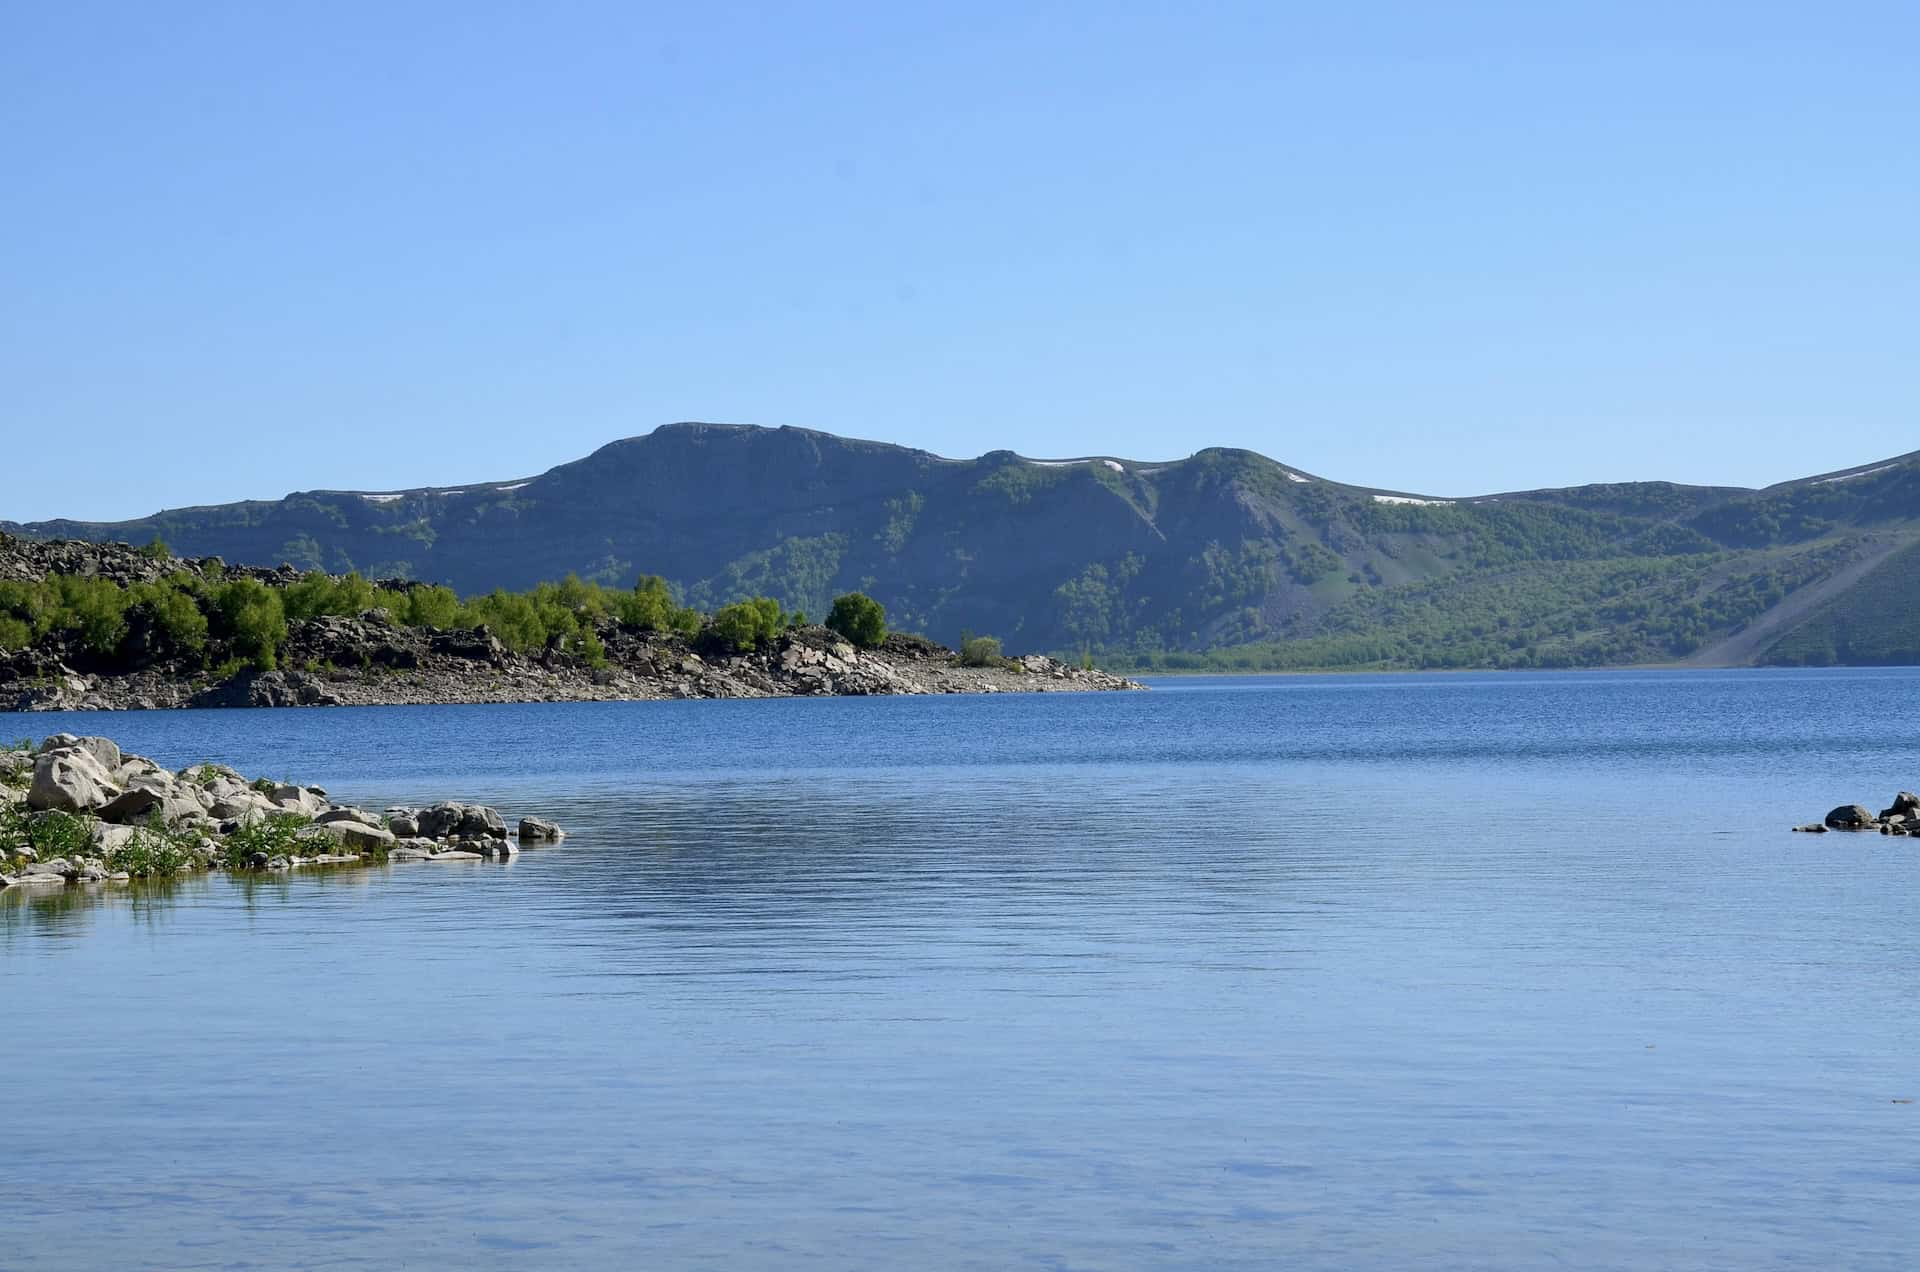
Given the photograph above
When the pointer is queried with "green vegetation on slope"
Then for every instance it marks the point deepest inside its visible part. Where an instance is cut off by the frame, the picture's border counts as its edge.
(1875, 623)
(1569, 614)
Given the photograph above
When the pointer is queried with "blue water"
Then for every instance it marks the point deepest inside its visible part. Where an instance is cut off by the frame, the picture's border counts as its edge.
(1339, 972)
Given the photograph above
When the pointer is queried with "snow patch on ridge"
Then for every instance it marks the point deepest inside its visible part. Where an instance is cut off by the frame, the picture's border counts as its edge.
(382, 498)
(1867, 472)
(1409, 499)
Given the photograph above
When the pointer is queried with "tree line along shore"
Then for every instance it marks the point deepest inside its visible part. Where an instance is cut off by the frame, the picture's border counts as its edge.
(103, 626)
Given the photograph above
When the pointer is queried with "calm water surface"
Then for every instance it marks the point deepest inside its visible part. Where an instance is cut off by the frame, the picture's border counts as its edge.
(1344, 972)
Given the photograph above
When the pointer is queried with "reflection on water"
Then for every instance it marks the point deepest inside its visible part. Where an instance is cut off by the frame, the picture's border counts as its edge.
(1236, 974)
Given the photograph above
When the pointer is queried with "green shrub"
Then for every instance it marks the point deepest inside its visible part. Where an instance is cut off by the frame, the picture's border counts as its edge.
(590, 648)
(746, 625)
(859, 618)
(316, 594)
(94, 607)
(50, 834)
(508, 616)
(157, 550)
(175, 613)
(249, 614)
(274, 835)
(32, 605)
(427, 605)
(154, 851)
(981, 651)
(650, 606)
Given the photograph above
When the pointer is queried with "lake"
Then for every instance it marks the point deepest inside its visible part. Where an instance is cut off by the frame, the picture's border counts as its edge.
(1463, 971)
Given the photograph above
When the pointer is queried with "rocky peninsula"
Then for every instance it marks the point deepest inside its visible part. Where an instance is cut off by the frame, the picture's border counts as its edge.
(80, 810)
(178, 639)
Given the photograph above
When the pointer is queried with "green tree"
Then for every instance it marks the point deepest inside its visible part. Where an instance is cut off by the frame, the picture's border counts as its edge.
(174, 612)
(316, 594)
(250, 616)
(427, 605)
(859, 618)
(746, 625)
(94, 607)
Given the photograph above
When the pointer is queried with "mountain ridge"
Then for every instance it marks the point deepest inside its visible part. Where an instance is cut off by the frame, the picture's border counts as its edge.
(1148, 562)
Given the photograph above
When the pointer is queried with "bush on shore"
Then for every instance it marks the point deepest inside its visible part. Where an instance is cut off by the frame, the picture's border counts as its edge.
(981, 651)
(859, 618)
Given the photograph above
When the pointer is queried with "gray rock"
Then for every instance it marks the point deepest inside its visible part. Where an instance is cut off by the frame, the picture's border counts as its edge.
(1905, 805)
(403, 825)
(455, 854)
(109, 838)
(135, 806)
(296, 799)
(349, 814)
(71, 780)
(483, 822)
(351, 834)
(1850, 817)
(241, 806)
(1812, 828)
(134, 767)
(440, 820)
(536, 830)
(105, 750)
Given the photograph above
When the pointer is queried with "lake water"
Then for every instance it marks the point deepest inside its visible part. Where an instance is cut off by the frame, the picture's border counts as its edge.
(1344, 972)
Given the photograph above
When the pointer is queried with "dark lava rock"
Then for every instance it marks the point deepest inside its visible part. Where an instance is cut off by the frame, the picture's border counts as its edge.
(1850, 817)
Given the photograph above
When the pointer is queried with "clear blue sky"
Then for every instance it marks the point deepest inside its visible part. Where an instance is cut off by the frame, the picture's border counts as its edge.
(1457, 248)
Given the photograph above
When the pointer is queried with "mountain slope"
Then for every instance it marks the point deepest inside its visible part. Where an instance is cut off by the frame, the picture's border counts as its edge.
(1157, 562)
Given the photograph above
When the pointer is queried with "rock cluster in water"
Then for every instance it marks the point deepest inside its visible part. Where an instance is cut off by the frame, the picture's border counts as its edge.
(1902, 817)
(78, 810)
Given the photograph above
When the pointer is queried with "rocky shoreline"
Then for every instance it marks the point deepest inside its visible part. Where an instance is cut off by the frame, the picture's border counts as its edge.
(1902, 817)
(371, 660)
(79, 810)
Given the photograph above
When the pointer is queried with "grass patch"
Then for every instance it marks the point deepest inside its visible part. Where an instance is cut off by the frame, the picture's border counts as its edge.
(155, 852)
(47, 835)
(273, 835)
